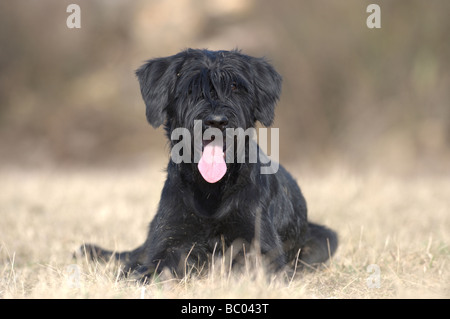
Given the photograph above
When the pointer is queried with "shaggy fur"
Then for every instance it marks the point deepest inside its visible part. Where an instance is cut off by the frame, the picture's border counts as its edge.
(224, 89)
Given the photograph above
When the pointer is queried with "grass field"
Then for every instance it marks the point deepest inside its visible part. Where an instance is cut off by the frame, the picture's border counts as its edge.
(394, 237)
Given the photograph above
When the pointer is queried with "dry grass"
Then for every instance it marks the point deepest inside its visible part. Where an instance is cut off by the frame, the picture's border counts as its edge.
(400, 224)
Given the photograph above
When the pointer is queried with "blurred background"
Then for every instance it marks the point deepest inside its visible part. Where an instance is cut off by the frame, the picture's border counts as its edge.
(351, 95)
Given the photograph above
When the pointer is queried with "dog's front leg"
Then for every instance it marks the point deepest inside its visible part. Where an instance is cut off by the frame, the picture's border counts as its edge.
(259, 230)
(271, 248)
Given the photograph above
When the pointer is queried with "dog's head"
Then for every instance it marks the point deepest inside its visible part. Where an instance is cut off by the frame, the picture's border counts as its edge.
(222, 89)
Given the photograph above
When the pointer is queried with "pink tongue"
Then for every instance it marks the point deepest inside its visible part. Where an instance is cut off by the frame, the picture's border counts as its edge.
(212, 164)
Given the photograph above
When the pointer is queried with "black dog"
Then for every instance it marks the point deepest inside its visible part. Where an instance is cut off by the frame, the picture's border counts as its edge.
(206, 209)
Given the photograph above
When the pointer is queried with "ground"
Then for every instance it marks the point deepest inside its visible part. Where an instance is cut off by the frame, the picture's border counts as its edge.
(393, 231)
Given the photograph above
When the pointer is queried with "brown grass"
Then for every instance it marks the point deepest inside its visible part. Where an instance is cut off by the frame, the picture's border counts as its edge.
(399, 224)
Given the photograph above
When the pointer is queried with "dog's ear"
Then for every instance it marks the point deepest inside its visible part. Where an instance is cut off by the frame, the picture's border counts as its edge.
(157, 79)
(267, 83)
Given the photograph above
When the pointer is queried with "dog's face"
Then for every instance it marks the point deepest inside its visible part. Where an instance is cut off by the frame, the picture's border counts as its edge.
(223, 89)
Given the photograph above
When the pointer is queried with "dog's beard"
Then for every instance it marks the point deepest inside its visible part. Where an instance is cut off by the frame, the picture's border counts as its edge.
(211, 151)
(205, 151)
(218, 154)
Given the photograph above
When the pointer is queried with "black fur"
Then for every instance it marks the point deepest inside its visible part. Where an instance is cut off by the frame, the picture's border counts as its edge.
(196, 218)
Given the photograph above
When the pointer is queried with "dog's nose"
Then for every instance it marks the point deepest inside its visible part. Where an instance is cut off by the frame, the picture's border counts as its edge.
(218, 121)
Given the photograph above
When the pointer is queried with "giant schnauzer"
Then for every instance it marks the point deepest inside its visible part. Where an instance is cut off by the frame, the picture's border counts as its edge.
(209, 204)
